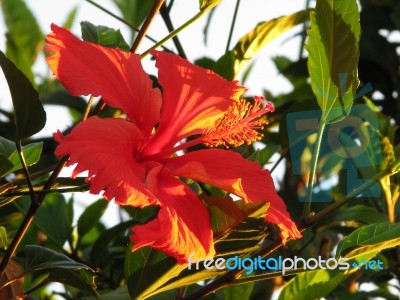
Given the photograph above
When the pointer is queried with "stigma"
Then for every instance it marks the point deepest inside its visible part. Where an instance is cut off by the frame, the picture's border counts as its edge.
(241, 123)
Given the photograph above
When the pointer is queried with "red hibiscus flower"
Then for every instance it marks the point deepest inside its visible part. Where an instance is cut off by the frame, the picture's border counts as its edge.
(133, 159)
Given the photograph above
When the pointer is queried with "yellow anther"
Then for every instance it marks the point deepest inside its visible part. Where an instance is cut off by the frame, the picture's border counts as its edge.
(239, 124)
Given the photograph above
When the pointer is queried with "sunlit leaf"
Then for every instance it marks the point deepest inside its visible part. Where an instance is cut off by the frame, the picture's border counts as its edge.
(369, 239)
(3, 238)
(251, 43)
(24, 37)
(30, 116)
(208, 4)
(31, 153)
(333, 48)
(8, 151)
(103, 35)
(319, 283)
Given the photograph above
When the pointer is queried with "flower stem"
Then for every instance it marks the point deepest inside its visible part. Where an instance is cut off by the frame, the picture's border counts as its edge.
(168, 22)
(175, 32)
(232, 25)
(150, 17)
(120, 19)
(314, 162)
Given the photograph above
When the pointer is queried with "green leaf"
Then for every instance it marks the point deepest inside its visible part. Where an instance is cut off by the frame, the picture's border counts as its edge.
(238, 292)
(333, 52)
(362, 213)
(70, 18)
(134, 11)
(318, 283)
(208, 4)
(103, 35)
(51, 218)
(7, 147)
(39, 258)
(90, 217)
(120, 293)
(31, 152)
(30, 116)
(147, 269)
(5, 165)
(3, 238)
(370, 238)
(80, 279)
(24, 37)
(225, 66)
(251, 43)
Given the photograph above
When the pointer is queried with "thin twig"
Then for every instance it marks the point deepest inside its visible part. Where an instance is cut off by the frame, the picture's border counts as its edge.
(228, 43)
(25, 169)
(123, 21)
(150, 17)
(168, 22)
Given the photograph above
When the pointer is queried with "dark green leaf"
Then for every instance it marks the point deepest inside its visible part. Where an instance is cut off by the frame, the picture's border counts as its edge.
(91, 216)
(7, 147)
(147, 269)
(225, 66)
(369, 239)
(238, 292)
(24, 37)
(103, 35)
(360, 213)
(30, 116)
(3, 238)
(101, 248)
(134, 11)
(80, 279)
(121, 293)
(52, 218)
(5, 165)
(39, 258)
(251, 43)
(333, 48)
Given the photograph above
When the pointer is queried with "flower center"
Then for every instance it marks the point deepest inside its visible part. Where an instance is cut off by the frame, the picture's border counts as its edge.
(239, 124)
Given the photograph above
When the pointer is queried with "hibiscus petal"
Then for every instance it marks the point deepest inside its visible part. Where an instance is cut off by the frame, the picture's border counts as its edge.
(229, 171)
(193, 99)
(85, 68)
(106, 148)
(182, 226)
